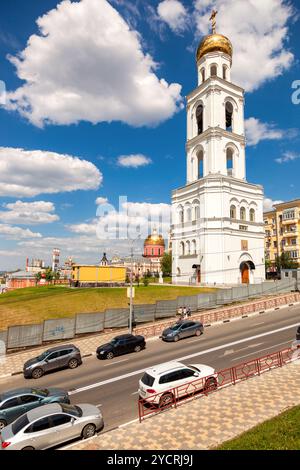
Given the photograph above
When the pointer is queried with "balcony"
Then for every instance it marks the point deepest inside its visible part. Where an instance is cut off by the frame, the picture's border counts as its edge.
(290, 221)
(290, 234)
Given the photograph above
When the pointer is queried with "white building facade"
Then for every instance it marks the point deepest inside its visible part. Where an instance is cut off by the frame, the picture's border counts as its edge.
(217, 217)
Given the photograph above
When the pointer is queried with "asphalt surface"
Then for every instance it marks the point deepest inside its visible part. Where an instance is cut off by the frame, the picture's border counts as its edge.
(112, 384)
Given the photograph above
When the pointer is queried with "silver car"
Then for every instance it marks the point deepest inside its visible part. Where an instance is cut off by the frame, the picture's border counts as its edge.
(51, 425)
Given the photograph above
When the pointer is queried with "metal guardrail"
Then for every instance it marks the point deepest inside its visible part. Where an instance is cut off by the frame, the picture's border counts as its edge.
(223, 378)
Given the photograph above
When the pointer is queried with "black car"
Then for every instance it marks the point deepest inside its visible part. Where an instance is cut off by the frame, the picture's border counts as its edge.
(122, 344)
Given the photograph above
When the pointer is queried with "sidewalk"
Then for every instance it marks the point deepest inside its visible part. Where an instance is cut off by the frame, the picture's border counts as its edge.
(208, 421)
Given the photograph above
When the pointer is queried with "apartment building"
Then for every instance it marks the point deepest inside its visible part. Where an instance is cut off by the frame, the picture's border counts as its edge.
(282, 231)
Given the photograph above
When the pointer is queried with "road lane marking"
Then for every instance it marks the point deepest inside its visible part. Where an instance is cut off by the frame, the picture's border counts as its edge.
(135, 393)
(260, 323)
(183, 358)
(260, 350)
(116, 362)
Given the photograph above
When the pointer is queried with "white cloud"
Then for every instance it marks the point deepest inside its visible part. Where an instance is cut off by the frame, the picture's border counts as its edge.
(269, 203)
(101, 200)
(29, 213)
(257, 131)
(16, 233)
(27, 173)
(87, 65)
(174, 14)
(133, 161)
(288, 157)
(259, 32)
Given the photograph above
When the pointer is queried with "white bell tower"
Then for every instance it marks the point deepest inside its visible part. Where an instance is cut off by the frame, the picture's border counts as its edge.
(217, 231)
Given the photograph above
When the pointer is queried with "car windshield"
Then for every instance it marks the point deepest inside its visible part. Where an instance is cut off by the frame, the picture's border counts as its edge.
(73, 410)
(114, 341)
(148, 379)
(19, 424)
(43, 356)
(175, 326)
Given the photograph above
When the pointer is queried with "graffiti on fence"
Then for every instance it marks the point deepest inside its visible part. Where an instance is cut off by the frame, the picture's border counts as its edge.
(57, 330)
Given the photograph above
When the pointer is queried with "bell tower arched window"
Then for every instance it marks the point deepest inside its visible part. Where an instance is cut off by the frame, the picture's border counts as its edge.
(252, 215)
(213, 71)
(199, 118)
(224, 72)
(203, 75)
(232, 212)
(200, 164)
(229, 116)
(229, 161)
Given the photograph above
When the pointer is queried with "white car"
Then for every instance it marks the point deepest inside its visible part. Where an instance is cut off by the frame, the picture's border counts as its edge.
(158, 383)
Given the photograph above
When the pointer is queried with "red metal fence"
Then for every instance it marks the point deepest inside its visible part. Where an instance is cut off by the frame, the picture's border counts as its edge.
(224, 313)
(199, 387)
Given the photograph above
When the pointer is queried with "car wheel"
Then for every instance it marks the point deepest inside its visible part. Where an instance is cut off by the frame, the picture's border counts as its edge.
(109, 355)
(37, 373)
(210, 384)
(198, 333)
(28, 448)
(73, 363)
(166, 400)
(176, 338)
(3, 423)
(137, 349)
(88, 431)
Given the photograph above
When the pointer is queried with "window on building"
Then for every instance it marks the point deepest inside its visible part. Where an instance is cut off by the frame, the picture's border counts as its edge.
(229, 161)
(199, 118)
(243, 213)
(229, 116)
(194, 247)
(243, 228)
(200, 164)
(294, 241)
(203, 74)
(275, 244)
(232, 212)
(252, 215)
(197, 212)
(188, 248)
(213, 71)
(189, 214)
(182, 249)
(294, 254)
(224, 72)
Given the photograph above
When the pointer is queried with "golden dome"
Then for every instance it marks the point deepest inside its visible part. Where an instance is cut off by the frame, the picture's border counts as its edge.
(154, 239)
(214, 42)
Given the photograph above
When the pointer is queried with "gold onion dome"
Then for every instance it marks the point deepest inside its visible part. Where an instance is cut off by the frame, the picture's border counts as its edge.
(212, 43)
(154, 239)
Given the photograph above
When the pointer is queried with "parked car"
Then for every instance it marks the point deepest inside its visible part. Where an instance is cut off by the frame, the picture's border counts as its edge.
(55, 358)
(298, 334)
(15, 403)
(182, 329)
(51, 425)
(161, 379)
(122, 344)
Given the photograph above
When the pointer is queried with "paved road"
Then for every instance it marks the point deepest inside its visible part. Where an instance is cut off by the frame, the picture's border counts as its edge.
(112, 385)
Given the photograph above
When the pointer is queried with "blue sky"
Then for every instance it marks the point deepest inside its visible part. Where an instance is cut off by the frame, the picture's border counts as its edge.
(105, 82)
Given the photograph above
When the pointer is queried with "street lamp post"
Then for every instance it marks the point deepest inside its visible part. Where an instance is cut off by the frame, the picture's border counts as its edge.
(131, 287)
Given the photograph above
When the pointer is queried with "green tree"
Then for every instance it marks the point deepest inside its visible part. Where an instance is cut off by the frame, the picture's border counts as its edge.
(49, 274)
(284, 261)
(38, 277)
(146, 281)
(166, 264)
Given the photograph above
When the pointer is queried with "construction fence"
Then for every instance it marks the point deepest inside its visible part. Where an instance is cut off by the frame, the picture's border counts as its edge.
(22, 336)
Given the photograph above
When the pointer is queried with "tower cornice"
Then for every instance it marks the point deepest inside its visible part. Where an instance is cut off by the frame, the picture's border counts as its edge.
(216, 82)
(213, 133)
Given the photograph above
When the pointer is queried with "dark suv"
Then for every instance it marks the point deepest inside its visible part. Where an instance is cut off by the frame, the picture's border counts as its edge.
(59, 357)
(122, 344)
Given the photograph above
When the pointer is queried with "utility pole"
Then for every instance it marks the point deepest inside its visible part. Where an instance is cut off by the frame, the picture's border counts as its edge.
(131, 296)
(131, 286)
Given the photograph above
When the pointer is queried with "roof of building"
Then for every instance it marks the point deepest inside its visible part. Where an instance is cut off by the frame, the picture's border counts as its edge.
(212, 43)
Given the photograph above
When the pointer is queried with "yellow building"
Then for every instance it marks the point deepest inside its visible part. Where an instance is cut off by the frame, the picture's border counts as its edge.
(97, 276)
(282, 231)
